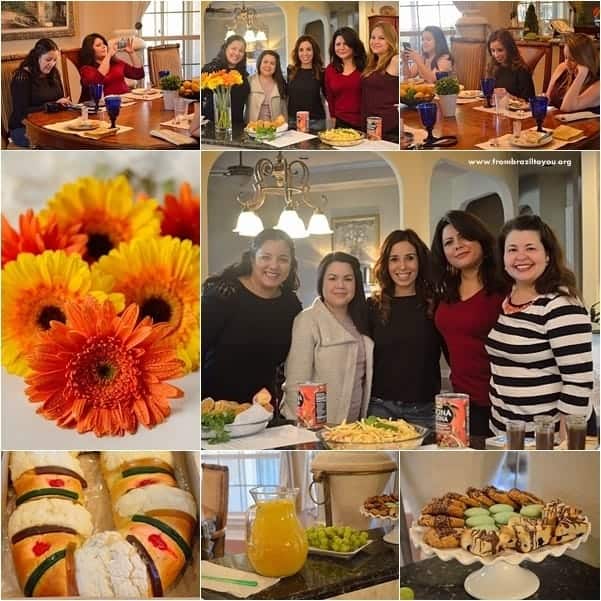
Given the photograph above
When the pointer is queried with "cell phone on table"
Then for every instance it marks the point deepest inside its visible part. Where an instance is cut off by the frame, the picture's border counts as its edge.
(406, 46)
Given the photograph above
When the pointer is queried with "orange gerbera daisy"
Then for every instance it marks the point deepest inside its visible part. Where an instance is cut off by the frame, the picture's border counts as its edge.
(35, 236)
(181, 216)
(102, 372)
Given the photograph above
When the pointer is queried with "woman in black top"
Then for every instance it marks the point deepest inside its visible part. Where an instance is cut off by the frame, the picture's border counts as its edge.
(507, 66)
(407, 346)
(247, 315)
(305, 80)
(35, 82)
(232, 55)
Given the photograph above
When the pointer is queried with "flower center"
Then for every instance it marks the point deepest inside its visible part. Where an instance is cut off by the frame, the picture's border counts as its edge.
(106, 371)
(49, 313)
(157, 308)
(98, 245)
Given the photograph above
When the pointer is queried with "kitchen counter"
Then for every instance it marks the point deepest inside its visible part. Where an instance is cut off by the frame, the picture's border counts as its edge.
(324, 577)
(560, 577)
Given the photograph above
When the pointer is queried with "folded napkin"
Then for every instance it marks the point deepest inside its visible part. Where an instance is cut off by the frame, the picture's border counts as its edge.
(567, 117)
(239, 590)
(271, 438)
(288, 138)
(104, 129)
(504, 143)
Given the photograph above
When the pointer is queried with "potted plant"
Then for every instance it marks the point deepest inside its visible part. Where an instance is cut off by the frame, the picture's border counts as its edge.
(447, 89)
(170, 86)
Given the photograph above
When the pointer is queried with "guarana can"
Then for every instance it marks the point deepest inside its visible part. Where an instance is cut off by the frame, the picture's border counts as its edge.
(374, 128)
(311, 410)
(302, 121)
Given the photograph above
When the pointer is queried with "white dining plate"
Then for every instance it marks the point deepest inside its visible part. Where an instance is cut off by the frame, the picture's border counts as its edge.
(238, 430)
(144, 91)
(469, 94)
(340, 555)
(278, 131)
(521, 142)
(83, 125)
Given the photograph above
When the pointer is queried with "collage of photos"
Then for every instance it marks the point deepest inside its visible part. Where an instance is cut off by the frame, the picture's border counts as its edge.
(244, 369)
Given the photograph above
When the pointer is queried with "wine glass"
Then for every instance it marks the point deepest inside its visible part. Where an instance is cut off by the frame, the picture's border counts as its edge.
(427, 113)
(538, 106)
(96, 91)
(113, 106)
(488, 86)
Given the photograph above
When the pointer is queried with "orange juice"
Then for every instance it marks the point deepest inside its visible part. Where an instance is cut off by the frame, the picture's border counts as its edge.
(277, 545)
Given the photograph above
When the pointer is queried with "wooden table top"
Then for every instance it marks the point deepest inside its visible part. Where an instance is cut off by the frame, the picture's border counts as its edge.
(474, 127)
(143, 116)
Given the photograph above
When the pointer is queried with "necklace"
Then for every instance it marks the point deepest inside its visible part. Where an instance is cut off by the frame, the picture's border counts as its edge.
(520, 306)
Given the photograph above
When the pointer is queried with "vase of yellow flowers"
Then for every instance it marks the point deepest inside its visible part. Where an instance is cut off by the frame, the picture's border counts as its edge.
(221, 83)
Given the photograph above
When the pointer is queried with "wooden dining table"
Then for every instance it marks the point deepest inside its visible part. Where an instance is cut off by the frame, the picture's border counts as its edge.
(143, 116)
(475, 127)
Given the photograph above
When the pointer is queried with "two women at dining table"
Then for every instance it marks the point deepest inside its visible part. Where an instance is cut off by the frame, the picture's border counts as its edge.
(98, 64)
(35, 82)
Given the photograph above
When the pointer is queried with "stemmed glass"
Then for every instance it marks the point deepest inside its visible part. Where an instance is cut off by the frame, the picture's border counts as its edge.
(538, 106)
(427, 113)
(96, 91)
(113, 106)
(488, 87)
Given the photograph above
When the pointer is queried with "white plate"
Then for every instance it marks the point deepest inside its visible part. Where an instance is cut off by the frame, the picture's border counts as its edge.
(278, 131)
(328, 553)
(469, 94)
(522, 143)
(238, 430)
(145, 91)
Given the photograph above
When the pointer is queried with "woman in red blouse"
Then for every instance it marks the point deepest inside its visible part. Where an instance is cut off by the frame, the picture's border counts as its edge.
(98, 64)
(343, 78)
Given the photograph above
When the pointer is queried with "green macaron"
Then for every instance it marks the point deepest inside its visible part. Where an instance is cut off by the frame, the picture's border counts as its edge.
(532, 511)
(500, 508)
(473, 511)
(478, 521)
(505, 516)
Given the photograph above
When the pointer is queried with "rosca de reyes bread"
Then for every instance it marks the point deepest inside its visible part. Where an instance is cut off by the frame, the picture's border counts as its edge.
(159, 521)
(49, 474)
(44, 534)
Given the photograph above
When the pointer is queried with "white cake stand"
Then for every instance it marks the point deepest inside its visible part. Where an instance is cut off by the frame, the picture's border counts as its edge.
(394, 536)
(501, 576)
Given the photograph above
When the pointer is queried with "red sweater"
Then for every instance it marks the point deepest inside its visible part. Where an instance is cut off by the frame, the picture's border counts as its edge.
(343, 93)
(464, 326)
(114, 80)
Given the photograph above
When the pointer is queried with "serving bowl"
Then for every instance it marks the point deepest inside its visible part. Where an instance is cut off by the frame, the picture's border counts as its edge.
(409, 443)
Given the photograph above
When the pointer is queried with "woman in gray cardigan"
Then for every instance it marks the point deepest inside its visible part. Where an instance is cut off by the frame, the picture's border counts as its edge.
(330, 343)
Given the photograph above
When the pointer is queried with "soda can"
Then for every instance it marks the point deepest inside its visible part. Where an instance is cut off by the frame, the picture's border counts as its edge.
(311, 411)
(452, 420)
(302, 121)
(374, 128)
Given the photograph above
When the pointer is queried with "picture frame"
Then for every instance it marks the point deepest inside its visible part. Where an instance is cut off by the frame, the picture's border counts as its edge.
(35, 20)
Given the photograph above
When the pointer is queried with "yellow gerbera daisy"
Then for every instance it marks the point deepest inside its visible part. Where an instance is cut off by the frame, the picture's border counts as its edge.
(107, 213)
(162, 275)
(34, 291)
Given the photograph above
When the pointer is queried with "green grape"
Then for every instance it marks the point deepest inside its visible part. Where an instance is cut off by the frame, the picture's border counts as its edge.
(406, 593)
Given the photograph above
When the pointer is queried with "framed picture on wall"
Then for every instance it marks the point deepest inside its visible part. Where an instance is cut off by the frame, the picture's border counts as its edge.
(35, 20)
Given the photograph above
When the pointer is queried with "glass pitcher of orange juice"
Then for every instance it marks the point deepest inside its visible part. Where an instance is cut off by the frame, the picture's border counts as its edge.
(276, 543)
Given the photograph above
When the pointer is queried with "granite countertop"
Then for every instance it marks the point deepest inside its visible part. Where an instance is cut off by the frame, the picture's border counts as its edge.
(560, 578)
(324, 577)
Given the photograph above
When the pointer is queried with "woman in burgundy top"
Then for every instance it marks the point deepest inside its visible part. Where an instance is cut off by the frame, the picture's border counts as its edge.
(380, 79)
(98, 64)
(470, 296)
(343, 78)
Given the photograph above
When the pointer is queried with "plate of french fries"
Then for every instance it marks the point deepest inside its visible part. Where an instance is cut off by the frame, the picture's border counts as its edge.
(373, 433)
(341, 136)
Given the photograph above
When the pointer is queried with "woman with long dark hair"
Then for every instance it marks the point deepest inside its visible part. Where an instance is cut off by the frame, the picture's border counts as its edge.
(407, 344)
(35, 82)
(435, 56)
(247, 315)
(540, 349)
(267, 98)
(231, 56)
(330, 342)
(470, 294)
(305, 80)
(507, 66)
(343, 78)
(98, 64)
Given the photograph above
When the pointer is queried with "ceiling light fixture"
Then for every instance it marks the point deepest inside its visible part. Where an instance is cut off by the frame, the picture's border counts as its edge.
(244, 23)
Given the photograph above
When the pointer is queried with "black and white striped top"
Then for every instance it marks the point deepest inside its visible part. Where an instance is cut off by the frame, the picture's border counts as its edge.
(541, 362)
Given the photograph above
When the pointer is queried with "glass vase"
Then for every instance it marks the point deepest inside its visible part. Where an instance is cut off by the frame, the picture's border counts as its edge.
(222, 101)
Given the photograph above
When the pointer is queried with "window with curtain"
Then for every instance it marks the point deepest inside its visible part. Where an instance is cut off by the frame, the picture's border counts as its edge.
(544, 11)
(415, 16)
(175, 23)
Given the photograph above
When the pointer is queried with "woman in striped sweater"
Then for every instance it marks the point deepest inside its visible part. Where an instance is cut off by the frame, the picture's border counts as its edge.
(540, 349)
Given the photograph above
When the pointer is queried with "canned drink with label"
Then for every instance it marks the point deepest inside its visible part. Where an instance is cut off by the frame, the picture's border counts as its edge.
(311, 411)
(374, 128)
(452, 420)
(302, 121)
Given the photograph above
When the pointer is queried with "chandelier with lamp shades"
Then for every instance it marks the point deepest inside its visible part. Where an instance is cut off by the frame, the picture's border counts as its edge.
(244, 23)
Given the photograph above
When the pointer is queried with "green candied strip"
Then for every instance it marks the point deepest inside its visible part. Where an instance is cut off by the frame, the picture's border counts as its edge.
(35, 576)
(47, 492)
(135, 471)
(165, 529)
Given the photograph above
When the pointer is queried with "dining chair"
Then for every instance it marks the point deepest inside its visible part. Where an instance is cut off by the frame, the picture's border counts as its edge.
(532, 53)
(163, 58)
(70, 72)
(10, 62)
(214, 497)
(469, 61)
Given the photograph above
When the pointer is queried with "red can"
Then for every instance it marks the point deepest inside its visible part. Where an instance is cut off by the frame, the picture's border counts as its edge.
(374, 128)
(302, 121)
(452, 420)
(311, 411)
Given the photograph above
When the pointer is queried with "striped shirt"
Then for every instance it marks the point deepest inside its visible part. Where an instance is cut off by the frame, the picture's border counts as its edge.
(541, 362)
